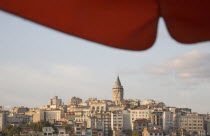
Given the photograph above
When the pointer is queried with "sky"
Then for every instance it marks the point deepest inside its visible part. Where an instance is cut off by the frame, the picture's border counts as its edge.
(37, 63)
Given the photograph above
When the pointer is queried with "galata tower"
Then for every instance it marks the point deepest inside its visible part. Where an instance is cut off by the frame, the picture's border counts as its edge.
(117, 92)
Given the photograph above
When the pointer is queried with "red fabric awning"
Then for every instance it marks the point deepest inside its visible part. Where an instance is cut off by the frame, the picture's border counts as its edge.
(122, 24)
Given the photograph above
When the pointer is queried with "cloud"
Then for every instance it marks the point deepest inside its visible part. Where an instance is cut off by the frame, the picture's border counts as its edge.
(194, 65)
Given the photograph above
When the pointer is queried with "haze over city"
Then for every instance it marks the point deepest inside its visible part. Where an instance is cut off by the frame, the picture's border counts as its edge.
(37, 63)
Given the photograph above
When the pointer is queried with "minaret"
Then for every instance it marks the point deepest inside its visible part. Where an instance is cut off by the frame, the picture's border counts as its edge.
(117, 92)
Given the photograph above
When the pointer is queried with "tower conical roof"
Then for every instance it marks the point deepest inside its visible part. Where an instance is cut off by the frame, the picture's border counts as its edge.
(118, 83)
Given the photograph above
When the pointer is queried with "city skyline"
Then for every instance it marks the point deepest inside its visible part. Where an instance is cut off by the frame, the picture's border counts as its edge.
(118, 101)
(37, 63)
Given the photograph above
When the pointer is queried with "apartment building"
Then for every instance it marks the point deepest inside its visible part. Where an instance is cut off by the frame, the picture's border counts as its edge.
(193, 123)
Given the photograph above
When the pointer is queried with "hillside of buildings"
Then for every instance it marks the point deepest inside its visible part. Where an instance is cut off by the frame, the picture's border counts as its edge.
(93, 117)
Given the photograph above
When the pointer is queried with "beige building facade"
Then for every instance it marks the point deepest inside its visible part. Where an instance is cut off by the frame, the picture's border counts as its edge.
(193, 123)
(140, 114)
(55, 101)
(48, 115)
(74, 101)
(3, 120)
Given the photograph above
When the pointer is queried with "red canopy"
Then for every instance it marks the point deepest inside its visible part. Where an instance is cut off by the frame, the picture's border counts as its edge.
(127, 24)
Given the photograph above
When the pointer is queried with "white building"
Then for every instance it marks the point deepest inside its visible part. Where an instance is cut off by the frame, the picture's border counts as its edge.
(139, 114)
(147, 102)
(120, 120)
(62, 132)
(117, 120)
(168, 120)
(47, 131)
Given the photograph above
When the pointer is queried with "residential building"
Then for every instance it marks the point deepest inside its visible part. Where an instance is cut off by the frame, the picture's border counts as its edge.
(70, 116)
(147, 102)
(207, 128)
(148, 132)
(168, 121)
(126, 120)
(139, 125)
(132, 103)
(177, 132)
(47, 131)
(163, 119)
(193, 123)
(18, 119)
(117, 120)
(53, 115)
(3, 120)
(48, 115)
(207, 123)
(78, 128)
(55, 101)
(61, 132)
(74, 101)
(101, 122)
(98, 107)
(20, 110)
(156, 119)
(39, 116)
(140, 113)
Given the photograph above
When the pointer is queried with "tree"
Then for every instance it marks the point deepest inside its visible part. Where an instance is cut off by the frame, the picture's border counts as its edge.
(38, 125)
(195, 133)
(135, 134)
(67, 127)
(128, 132)
(10, 130)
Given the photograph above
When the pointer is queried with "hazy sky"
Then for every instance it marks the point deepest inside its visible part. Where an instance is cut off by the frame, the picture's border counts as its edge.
(37, 63)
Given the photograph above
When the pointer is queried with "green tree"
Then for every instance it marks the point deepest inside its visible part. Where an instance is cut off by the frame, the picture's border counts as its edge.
(67, 127)
(10, 130)
(38, 125)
